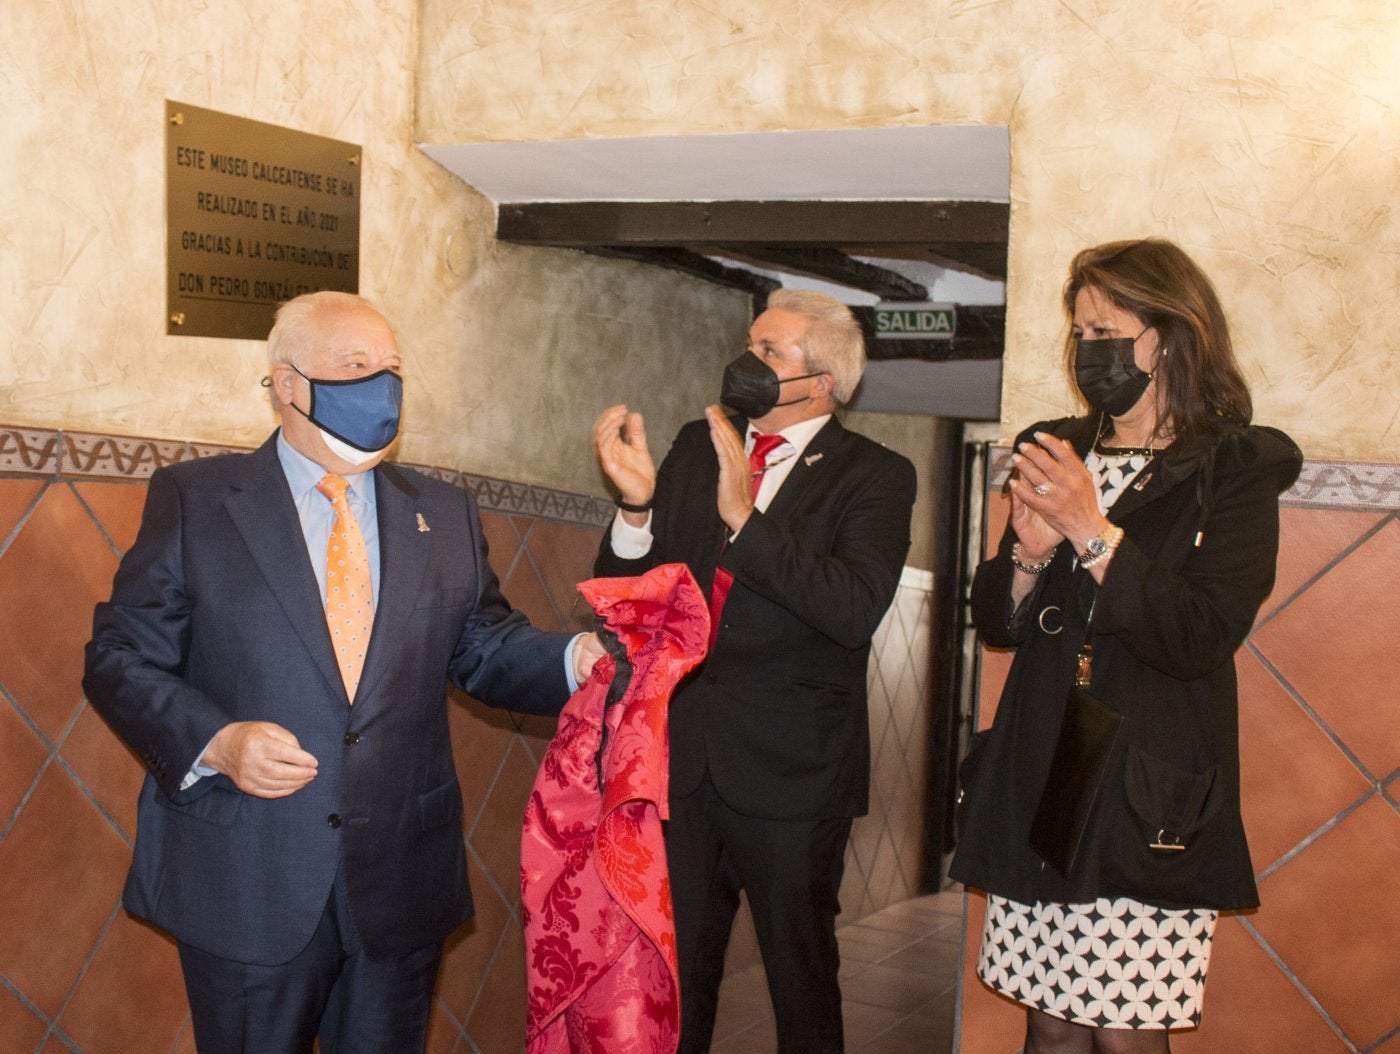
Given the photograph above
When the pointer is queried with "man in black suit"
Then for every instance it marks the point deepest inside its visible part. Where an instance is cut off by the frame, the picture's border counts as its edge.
(770, 740)
(299, 823)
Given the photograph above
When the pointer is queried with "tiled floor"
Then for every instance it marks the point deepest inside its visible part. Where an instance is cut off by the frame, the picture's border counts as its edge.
(898, 970)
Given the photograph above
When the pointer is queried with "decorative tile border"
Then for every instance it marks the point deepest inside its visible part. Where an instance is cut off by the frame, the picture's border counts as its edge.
(524, 499)
(60, 454)
(29, 451)
(1346, 485)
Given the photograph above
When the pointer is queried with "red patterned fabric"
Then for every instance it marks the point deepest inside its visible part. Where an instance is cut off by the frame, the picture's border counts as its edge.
(600, 942)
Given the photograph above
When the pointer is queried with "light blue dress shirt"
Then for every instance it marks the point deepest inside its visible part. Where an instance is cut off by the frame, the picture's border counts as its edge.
(317, 514)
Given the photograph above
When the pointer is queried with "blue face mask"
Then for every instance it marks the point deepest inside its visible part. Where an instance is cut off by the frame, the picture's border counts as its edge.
(362, 413)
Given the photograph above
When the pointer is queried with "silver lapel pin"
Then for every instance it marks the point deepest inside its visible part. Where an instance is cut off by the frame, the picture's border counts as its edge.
(811, 459)
(423, 527)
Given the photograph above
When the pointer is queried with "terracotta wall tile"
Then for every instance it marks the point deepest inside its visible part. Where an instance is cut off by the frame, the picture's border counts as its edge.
(1283, 749)
(132, 995)
(995, 667)
(20, 1030)
(468, 953)
(1387, 1046)
(497, 1022)
(185, 1045)
(998, 513)
(991, 1024)
(53, 573)
(1310, 539)
(118, 508)
(480, 738)
(564, 555)
(536, 732)
(1332, 914)
(1251, 1006)
(526, 592)
(502, 540)
(16, 496)
(106, 766)
(23, 753)
(444, 1033)
(61, 872)
(1335, 645)
(497, 838)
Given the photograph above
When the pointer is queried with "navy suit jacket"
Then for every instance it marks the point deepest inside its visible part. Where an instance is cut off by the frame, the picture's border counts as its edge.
(216, 616)
(777, 713)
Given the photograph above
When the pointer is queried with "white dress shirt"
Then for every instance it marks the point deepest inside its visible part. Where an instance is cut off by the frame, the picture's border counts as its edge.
(630, 542)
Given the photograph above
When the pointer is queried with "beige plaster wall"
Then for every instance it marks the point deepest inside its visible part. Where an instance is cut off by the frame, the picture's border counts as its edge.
(1263, 137)
(509, 353)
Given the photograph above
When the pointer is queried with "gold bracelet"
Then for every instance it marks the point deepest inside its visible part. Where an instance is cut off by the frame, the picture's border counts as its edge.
(1030, 569)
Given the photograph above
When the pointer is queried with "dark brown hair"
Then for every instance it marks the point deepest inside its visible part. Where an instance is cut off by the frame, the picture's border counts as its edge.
(1199, 382)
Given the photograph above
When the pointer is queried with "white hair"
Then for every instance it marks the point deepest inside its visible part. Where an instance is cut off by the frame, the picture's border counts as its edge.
(833, 342)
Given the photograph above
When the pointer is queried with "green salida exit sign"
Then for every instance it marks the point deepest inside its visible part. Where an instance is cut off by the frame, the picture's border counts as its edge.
(915, 321)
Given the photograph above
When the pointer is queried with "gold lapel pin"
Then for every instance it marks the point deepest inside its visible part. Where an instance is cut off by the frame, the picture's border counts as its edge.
(423, 527)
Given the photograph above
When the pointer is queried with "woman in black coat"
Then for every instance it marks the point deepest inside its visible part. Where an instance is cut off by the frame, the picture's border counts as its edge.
(1142, 540)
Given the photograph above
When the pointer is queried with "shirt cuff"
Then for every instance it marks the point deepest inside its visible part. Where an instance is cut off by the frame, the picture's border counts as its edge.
(197, 771)
(569, 662)
(628, 542)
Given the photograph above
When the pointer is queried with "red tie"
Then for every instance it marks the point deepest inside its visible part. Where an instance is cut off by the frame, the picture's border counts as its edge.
(763, 445)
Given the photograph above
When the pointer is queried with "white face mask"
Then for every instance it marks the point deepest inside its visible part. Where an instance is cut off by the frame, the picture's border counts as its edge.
(346, 452)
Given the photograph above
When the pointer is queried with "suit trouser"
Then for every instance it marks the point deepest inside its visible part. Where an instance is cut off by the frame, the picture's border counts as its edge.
(791, 871)
(331, 989)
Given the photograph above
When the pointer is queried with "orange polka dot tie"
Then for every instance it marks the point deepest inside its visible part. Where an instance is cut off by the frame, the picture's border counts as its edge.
(349, 594)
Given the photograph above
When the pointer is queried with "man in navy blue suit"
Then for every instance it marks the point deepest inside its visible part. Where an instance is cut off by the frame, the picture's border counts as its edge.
(298, 827)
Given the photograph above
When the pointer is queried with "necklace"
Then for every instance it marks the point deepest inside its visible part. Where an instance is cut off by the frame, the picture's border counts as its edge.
(1104, 450)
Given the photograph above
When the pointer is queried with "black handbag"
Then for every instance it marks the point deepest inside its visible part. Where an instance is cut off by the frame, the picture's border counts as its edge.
(1090, 736)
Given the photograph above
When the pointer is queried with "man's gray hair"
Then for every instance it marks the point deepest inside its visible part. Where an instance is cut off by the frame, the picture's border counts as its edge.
(833, 343)
(294, 327)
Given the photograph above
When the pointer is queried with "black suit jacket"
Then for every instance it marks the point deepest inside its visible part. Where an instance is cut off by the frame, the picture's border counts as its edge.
(215, 617)
(777, 712)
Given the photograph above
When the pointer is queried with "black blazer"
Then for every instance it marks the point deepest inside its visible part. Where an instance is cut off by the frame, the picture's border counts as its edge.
(777, 712)
(1196, 561)
(216, 616)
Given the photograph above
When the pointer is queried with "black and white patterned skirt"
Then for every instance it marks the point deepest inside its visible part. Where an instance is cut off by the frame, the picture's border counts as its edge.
(1110, 964)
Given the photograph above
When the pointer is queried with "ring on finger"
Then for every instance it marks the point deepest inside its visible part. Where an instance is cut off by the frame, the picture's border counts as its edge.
(1044, 488)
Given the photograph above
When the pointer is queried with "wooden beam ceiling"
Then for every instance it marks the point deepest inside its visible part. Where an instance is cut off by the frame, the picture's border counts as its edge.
(831, 265)
(821, 239)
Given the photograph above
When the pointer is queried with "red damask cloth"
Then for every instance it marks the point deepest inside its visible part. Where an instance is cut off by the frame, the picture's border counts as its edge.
(600, 940)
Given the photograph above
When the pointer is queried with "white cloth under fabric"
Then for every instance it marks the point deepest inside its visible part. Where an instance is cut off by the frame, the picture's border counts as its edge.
(1109, 964)
(1114, 963)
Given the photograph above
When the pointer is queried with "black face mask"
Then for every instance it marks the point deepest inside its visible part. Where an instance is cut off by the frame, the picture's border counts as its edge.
(1108, 374)
(751, 388)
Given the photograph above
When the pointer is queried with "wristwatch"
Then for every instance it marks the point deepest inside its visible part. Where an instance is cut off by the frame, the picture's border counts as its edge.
(1101, 545)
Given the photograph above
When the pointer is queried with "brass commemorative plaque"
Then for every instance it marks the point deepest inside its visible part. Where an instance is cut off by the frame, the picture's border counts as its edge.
(255, 215)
